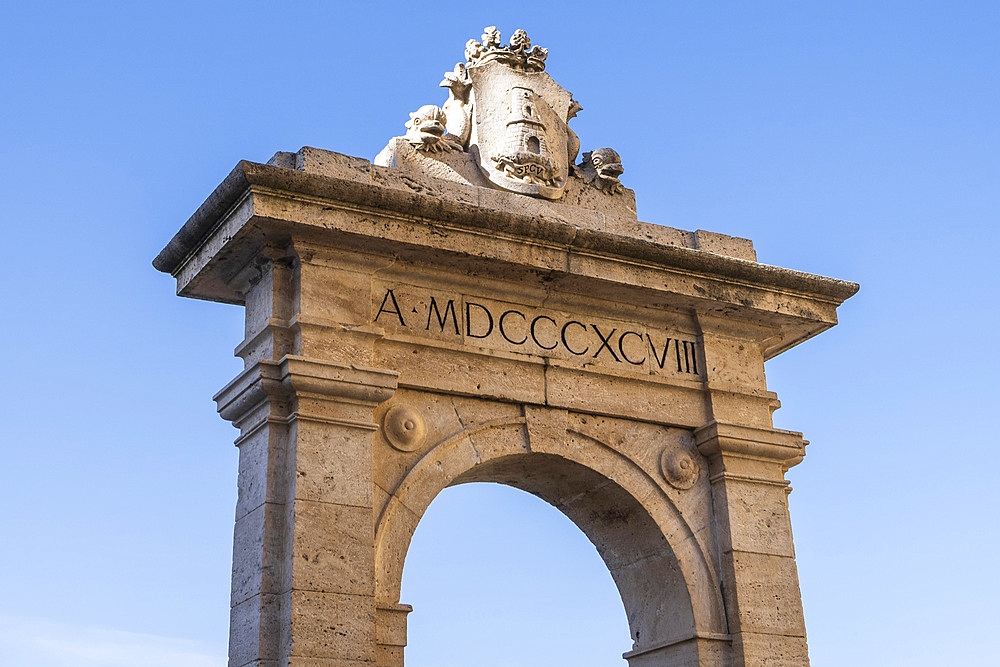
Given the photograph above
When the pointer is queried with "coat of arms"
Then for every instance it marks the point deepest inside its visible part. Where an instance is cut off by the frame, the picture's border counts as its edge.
(509, 116)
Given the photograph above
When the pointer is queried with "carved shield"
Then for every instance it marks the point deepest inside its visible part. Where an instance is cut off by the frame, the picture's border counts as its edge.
(519, 132)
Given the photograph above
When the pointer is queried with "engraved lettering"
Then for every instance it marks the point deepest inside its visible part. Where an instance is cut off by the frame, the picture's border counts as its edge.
(566, 343)
(468, 320)
(534, 336)
(394, 310)
(498, 325)
(691, 367)
(621, 347)
(662, 359)
(442, 319)
(605, 342)
(503, 332)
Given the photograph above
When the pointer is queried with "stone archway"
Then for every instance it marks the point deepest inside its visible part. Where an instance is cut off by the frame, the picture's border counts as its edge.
(468, 309)
(656, 557)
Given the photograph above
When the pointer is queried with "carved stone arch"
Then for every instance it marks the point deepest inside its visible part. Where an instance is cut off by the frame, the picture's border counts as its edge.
(668, 587)
(612, 367)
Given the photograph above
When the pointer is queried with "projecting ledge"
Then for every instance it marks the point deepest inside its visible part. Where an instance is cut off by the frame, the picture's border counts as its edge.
(364, 190)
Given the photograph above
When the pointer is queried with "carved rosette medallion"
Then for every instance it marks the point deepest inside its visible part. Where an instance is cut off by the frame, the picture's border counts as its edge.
(679, 468)
(404, 428)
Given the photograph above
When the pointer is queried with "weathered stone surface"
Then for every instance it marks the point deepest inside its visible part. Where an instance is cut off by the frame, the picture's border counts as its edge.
(469, 310)
(333, 548)
(333, 625)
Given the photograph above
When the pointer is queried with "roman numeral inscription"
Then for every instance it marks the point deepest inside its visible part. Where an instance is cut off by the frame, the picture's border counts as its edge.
(486, 323)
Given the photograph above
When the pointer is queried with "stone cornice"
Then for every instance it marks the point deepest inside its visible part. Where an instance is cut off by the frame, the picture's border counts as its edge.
(249, 177)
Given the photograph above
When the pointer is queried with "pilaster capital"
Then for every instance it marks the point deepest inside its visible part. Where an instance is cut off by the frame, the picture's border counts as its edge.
(718, 440)
(293, 377)
(343, 382)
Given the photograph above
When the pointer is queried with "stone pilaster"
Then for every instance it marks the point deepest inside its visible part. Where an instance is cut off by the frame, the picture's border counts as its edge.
(756, 556)
(303, 571)
(390, 633)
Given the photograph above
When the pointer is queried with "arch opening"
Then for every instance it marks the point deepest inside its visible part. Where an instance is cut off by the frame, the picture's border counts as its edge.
(631, 544)
(498, 577)
(665, 584)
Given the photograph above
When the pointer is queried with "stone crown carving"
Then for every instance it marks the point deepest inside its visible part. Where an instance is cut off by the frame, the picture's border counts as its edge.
(518, 54)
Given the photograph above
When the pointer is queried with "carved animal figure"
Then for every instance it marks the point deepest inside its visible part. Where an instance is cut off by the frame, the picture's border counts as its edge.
(426, 132)
(601, 168)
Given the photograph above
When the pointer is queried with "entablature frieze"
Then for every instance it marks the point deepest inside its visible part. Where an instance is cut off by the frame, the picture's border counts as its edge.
(278, 204)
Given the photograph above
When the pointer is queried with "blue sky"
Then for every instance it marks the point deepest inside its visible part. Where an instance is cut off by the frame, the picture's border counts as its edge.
(858, 140)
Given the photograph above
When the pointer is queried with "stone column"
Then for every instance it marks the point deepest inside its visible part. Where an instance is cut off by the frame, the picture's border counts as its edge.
(757, 560)
(303, 564)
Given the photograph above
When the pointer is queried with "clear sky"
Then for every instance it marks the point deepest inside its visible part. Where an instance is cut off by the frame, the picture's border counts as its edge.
(858, 140)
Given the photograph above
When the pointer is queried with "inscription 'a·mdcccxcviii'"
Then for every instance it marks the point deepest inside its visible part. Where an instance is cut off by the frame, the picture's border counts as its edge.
(498, 325)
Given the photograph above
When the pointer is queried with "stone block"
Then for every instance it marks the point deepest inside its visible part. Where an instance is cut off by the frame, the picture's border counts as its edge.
(389, 656)
(333, 625)
(755, 517)
(333, 550)
(333, 463)
(767, 591)
(258, 629)
(337, 165)
(253, 471)
(244, 632)
(694, 652)
(628, 397)
(335, 296)
(283, 159)
(248, 556)
(460, 372)
(729, 246)
(390, 624)
(736, 362)
(767, 650)
(438, 421)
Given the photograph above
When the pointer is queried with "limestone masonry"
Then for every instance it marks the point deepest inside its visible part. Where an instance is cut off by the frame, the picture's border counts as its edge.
(482, 305)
